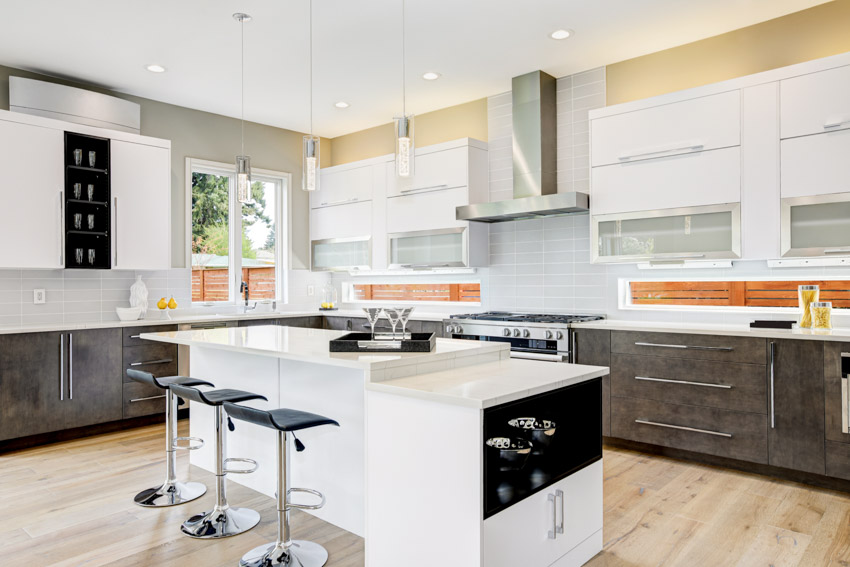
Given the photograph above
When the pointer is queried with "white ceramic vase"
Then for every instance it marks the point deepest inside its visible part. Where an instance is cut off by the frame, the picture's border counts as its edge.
(139, 296)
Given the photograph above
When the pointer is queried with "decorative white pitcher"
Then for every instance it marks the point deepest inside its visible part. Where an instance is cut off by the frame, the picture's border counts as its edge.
(139, 296)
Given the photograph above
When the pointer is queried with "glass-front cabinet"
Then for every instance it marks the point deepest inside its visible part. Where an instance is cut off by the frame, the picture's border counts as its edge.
(341, 254)
(441, 248)
(816, 225)
(693, 233)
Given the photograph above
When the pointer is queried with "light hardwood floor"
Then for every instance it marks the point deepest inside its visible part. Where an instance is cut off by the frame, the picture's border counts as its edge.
(70, 504)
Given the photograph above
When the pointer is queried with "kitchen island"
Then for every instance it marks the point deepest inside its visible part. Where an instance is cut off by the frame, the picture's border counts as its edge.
(408, 465)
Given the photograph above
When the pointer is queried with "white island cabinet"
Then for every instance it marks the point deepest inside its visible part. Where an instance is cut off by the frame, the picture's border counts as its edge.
(408, 468)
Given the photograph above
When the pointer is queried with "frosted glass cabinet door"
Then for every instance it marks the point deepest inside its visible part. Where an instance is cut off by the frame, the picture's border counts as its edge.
(341, 254)
(445, 248)
(695, 233)
(816, 226)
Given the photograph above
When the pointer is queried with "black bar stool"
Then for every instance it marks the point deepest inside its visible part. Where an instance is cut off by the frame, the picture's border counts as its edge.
(222, 520)
(284, 551)
(172, 491)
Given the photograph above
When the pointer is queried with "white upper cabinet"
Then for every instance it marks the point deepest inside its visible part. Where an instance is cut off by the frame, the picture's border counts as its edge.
(433, 170)
(815, 103)
(31, 184)
(344, 185)
(700, 124)
(141, 198)
(816, 165)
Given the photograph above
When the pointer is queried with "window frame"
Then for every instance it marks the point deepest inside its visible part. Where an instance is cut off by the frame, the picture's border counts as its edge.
(283, 183)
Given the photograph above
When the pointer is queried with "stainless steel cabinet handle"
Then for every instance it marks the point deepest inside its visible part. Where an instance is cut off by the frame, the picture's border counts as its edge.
(160, 361)
(419, 266)
(341, 202)
(61, 368)
(559, 495)
(692, 146)
(553, 533)
(845, 407)
(440, 186)
(115, 216)
(573, 346)
(683, 428)
(538, 356)
(772, 378)
(836, 123)
(686, 382)
(135, 336)
(62, 229)
(70, 366)
(689, 347)
(134, 400)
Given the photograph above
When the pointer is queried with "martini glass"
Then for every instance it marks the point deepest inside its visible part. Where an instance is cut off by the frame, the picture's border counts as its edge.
(403, 314)
(392, 317)
(372, 315)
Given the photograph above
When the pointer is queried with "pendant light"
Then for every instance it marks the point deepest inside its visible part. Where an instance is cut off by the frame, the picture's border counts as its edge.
(310, 160)
(243, 162)
(404, 123)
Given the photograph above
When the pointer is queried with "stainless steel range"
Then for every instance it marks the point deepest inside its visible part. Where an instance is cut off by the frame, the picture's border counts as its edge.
(532, 336)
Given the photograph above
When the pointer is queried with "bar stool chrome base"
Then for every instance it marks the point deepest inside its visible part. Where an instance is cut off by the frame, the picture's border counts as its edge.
(170, 494)
(220, 522)
(300, 554)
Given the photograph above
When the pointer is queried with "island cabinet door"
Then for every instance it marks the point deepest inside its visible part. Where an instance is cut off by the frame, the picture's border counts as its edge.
(95, 377)
(796, 405)
(544, 527)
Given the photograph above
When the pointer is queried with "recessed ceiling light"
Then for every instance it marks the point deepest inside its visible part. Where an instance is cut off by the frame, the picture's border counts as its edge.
(431, 76)
(155, 68)
(561, 34)
(342, 104)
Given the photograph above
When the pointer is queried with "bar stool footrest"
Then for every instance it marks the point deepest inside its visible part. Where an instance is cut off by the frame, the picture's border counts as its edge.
(198, 443)
(305, 506)
(240, 471)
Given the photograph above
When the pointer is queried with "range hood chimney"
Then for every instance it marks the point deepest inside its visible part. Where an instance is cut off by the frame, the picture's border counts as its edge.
(535, 159)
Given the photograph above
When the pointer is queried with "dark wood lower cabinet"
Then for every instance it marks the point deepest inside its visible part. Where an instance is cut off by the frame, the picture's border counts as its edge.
(94, 383)
(832, 394)
(796, 424)
(593, 347)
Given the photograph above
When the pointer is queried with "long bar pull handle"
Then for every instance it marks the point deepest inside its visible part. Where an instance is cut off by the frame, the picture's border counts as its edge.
(134, 400)
(772, 388)
(845, 406)
(135, 336)
(553, 533)
(690, 146)
(559, 495)
(70, 366)
(573, 346)
(61, 367)
(836, 123)
(683, 428)
(686, 382)
(689, 347)
(340, 202)
(440, 186)
(115, 216)
(160, 361)
(61, 229)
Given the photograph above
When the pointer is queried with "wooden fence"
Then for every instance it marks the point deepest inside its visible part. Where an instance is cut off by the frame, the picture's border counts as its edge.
(212, 284)
(466, 292)
(736, 293)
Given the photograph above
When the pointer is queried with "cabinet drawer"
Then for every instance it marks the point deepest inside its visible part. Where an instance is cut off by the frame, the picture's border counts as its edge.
(724, 385)
(131, 334)
(690, 180)
(346, 186)
(520, 534)
(699, 124)
(814, 103)
(143, 399)
(681, 345)
(160, 359)
(815, 165)
(426, 211)
(432, 171)
(724, 433)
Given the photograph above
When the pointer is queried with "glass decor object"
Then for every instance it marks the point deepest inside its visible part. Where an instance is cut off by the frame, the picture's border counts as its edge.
(403, 314)
(243, 178)
(78, 256)
(329, 296)
(372, 315)
(91, 256)
(78, 221)
(404, 146)
(821, 314)
(90, 221)
(392, 317)
(806, 294)
(90, 192)
(78, 190)
(78, 157)
(310, 164)
(92, 158)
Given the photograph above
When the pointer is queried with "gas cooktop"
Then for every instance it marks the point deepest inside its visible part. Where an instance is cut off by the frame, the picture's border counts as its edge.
(528, 317)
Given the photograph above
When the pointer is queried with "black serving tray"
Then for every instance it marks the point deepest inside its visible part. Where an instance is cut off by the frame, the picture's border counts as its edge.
(362, 342)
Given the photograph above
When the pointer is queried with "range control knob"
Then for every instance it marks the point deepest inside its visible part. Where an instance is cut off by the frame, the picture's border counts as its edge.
(526, 333)
(458, 329)
(548, 334)
(516, 332)
(449, 329)
(506, 332)
(559, 335)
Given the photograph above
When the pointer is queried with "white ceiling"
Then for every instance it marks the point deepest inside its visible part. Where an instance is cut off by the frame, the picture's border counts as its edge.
(477, 45)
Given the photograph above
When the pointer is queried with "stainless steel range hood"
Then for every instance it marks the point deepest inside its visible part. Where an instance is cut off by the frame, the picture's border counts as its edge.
(534, 159)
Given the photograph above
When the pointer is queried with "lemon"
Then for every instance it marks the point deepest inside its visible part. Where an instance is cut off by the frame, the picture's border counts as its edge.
(162, 304)
(172, 304)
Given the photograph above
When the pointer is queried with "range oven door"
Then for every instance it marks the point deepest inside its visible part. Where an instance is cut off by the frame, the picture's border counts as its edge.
(550, 350)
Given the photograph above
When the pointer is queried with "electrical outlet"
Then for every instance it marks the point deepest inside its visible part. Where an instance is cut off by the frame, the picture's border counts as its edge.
(39, 296)
(310, 290)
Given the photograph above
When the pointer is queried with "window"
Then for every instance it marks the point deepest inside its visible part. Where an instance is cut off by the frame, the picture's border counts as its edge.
(424, 292)
(236, 246)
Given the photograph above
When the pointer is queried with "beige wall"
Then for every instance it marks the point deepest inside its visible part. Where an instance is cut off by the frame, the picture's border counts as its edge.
(468, 120)
(802, 36)
(198, 134)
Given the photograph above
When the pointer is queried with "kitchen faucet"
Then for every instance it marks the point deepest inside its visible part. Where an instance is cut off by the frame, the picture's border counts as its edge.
(243, 288)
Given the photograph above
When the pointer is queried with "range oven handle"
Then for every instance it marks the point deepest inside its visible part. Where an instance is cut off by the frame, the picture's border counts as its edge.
(538, 356)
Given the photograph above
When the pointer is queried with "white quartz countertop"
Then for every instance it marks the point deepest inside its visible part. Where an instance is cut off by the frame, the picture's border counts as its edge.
(841, 334)
(490, 384)
(312, 345)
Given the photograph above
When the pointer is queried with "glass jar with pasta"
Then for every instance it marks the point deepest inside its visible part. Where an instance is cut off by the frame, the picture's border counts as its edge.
(821, 314)
(807, 294)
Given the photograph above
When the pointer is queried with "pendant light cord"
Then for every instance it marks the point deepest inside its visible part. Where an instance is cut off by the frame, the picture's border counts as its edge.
(403, 69)
(242, 95)
(311, 68)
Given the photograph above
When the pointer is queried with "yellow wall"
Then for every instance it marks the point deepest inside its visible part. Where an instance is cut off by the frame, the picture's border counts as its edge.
(468, 120)
(802, 36)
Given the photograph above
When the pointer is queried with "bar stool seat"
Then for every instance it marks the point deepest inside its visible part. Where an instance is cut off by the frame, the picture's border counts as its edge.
(284, 552)
(223, 520)
(172, 491)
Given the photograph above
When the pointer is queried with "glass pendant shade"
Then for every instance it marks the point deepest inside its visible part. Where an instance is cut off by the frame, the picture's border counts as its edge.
(243, 179)
(310, 163)
(404, 146)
